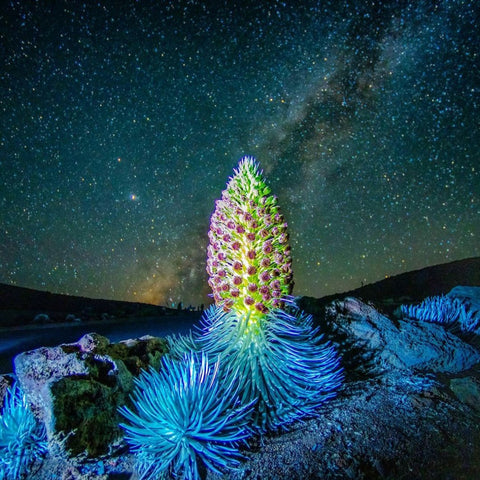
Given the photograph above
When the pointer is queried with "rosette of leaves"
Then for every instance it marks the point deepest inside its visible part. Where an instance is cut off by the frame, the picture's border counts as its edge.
(276, 357)
(22, 438)
(282, 365)
(183, 416)
(446, 310)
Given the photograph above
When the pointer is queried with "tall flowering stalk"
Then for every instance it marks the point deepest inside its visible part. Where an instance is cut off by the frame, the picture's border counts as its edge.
(271, 366)
(249, 258)
(277, 356)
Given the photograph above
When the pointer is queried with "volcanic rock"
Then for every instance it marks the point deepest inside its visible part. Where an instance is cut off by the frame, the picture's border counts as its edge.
(75, 389)
(408, 408)
(401, 344)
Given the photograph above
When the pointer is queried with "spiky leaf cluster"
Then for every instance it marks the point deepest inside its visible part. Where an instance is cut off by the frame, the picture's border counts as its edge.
(280, 361)
(182, 413)
(22, 438)
(446, 310)
(275, 360)
(248, 258)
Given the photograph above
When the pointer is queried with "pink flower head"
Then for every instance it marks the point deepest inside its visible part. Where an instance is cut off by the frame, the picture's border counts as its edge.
(237, 265)
(278, 258)
(287, 268)
(227, 306)
(264, 289)
(265, 262)
(265, 277)
(275, 285)
(267, 248)
(251, 270)
(249, 301)
(261, 307)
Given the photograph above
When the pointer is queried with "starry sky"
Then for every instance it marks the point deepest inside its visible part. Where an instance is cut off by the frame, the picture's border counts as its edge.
(121, 122)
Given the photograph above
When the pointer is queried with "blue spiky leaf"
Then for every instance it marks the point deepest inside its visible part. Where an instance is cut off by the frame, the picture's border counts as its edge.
(183, 414)
(280, 360)
(22, 438)
(445, 310)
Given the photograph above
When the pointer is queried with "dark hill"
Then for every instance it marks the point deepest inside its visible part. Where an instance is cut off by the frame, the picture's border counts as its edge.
(19, 305)
(409, 287)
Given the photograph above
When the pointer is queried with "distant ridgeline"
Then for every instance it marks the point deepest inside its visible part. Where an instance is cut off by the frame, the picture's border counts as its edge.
(409, 287)
(21, 305)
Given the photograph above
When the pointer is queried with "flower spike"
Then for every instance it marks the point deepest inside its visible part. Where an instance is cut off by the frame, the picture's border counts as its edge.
(249, 258)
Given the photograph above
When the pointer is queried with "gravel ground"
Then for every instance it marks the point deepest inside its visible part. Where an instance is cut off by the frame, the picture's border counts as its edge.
(390, 426)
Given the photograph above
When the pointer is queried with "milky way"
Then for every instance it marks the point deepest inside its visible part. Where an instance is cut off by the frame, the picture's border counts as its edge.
(122, 121)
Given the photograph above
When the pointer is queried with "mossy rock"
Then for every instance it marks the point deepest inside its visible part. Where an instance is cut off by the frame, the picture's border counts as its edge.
(85, 407)
(86, 411)
(141, 355)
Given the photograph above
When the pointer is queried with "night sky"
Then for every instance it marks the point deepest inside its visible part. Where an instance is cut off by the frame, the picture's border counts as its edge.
(121, 122)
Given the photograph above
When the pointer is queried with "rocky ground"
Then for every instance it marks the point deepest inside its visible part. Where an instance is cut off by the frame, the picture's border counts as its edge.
(409, 409)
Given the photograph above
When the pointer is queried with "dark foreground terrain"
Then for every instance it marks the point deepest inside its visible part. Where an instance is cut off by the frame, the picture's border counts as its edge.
(409, 408)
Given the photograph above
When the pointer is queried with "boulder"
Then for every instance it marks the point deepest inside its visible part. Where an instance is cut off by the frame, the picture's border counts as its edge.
(470, 295)
(75, 389)
(470, 299)
(467, 390)
(41, 318)
(6, 381)
(403, 344)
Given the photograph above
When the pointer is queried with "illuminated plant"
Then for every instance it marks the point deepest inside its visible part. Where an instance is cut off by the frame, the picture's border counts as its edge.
(182, 413)
(22, 439)
(275, 356)
(446, 310)
(248, 259)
